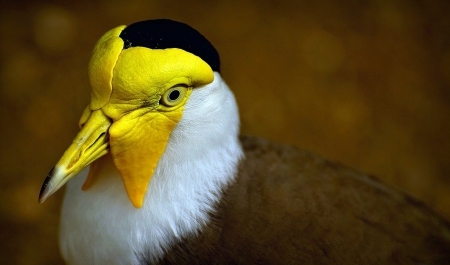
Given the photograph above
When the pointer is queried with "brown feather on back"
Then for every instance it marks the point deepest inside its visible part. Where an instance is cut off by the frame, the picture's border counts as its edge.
(289, 206)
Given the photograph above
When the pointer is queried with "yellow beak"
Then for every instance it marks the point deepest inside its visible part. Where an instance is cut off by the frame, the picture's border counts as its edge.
(91, 143)
(125, 116)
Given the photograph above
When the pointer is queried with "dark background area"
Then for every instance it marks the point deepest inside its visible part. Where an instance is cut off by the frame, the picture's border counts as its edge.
(365, 83)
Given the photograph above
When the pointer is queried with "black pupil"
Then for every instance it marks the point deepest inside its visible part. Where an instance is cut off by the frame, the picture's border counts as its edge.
(174, 95)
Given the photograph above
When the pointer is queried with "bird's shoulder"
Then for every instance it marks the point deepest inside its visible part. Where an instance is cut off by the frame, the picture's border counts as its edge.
(289, 205)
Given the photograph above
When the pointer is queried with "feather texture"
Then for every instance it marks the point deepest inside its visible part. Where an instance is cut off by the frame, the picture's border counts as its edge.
(100, 226)
(219, 199)
(290, 206)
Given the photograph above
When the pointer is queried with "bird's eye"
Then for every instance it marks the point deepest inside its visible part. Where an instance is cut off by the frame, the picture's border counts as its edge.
(173, 96)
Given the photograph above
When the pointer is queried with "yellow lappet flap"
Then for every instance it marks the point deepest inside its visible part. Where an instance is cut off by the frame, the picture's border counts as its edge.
(129, 115)
(142, 126)
(137, 142)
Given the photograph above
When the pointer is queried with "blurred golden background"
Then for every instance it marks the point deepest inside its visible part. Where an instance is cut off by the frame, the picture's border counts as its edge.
(365, 83)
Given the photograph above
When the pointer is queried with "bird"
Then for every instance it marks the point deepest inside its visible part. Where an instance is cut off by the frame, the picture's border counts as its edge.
(160, 174)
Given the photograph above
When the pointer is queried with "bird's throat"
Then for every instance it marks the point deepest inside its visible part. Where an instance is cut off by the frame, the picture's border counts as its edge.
(97, 171)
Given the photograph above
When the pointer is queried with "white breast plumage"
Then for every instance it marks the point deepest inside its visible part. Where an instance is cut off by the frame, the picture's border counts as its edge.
(100, 226)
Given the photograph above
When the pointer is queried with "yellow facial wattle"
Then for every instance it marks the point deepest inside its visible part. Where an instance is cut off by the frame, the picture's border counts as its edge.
(132, 91)
(101, 65)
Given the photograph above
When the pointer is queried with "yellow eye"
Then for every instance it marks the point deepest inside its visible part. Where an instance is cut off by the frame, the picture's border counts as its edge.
(173, 96)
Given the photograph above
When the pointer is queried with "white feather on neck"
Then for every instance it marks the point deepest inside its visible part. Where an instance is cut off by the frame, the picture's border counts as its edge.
(100, 226)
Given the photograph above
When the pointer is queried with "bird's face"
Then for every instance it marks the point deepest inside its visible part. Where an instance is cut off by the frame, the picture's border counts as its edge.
(137, 99)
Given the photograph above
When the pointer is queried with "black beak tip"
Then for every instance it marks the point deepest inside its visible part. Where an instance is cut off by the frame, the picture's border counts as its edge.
(44, 185)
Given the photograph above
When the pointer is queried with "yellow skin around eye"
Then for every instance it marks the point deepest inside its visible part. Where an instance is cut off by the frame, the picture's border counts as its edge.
(167, 100)
(140, 126)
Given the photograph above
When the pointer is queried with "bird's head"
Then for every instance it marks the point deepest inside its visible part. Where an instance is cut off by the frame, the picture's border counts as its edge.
(141, 77)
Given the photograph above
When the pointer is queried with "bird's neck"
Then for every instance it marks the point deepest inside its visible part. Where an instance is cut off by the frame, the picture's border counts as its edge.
(186, 186)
